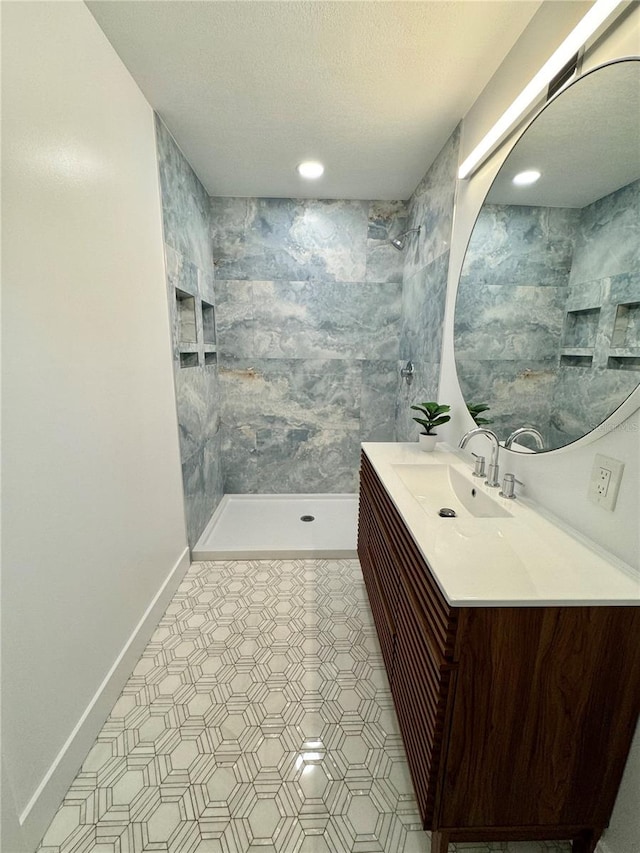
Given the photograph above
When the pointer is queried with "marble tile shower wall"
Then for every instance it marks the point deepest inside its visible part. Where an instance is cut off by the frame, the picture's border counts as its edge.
(605, 273)
(308, 300)
(510, 311)
(526, 272)
(189, 265)
(426, 265)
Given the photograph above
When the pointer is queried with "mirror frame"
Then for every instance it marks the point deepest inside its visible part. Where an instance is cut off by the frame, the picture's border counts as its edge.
(631, 403)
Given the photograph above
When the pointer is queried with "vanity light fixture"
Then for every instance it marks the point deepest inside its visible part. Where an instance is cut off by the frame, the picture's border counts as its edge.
(310, 169)
(526, 178)
(596, 16)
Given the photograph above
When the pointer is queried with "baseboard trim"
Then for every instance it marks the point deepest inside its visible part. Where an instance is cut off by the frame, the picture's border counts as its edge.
(40, 810)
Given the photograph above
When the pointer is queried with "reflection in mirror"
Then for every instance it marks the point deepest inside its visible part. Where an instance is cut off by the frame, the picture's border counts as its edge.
(547, 320)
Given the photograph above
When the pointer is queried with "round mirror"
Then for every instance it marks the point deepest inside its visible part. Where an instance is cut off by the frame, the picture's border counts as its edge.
(547, 319)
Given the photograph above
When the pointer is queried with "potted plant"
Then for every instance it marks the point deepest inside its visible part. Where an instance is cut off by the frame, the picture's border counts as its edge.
(433, 415)
(475, 410)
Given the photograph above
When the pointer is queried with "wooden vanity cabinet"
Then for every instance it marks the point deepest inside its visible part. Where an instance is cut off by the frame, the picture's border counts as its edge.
(517, 721)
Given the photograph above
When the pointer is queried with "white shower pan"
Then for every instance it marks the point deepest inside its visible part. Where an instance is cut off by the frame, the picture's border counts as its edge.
(272, 527)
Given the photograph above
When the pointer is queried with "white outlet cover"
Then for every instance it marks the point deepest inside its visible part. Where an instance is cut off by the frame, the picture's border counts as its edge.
(615, 467)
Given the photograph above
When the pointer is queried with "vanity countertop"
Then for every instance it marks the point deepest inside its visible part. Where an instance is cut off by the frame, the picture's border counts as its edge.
(523, 559)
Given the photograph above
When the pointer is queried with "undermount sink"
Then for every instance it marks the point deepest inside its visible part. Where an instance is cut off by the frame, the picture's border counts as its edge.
(438, 486)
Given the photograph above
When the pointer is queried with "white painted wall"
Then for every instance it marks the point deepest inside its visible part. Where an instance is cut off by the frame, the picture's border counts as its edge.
(93, 521)
(557, 480)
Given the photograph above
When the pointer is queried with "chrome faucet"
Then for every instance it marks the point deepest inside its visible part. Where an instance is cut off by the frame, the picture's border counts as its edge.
(492, 476)
(516, 434)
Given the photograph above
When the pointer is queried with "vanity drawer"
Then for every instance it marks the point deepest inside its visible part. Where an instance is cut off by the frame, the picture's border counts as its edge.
(420, 689)
(388, 574)
(373, 564)
(439, 618)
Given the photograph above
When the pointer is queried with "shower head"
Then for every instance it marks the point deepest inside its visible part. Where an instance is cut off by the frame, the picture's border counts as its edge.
(399, 242)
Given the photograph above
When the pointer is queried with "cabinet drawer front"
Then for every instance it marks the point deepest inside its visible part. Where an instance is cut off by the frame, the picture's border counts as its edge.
(421, 691)
(369, 534)
(419, 749)
(440, 619)
(430, 676)
(370, 562)
(386, 637)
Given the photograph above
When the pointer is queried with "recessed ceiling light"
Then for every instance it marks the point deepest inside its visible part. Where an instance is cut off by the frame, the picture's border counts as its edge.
(310, 169)
(523, 179)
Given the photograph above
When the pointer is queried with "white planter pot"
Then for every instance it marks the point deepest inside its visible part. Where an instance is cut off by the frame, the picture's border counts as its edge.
(427, 442)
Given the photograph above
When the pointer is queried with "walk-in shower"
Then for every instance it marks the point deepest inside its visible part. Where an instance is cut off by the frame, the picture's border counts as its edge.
(281, 527)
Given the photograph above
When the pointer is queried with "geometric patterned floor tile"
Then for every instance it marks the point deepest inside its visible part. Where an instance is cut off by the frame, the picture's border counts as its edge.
(257, 720)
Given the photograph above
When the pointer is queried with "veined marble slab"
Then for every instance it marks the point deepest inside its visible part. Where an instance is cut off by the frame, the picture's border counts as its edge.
(304, 319)
(431, 209)
(608, 236)
(299, 239)
(189, 268)
(514, 245)
(185, 203)
(500, 322)
(424, 295)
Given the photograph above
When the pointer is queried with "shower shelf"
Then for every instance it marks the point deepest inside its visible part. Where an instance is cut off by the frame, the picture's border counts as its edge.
(624, 352)
(576, 351)
(576, 357)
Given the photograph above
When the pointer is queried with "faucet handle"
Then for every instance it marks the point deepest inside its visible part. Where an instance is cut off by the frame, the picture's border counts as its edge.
(478, 470)
(509, 486)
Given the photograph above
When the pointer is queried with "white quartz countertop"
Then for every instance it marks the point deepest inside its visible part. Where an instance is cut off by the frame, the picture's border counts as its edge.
(525, 559)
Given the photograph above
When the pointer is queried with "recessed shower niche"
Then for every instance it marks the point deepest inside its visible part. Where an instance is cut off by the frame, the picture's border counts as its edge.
(623, 362)
(626, 330)
(576, 360)
(579, 337)
(186, 315)
(580, 328)
(208, 323)
(189, 359)
(625, 340)
(209, 334)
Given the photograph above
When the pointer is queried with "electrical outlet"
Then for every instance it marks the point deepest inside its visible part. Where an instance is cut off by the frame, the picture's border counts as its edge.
(605, 481)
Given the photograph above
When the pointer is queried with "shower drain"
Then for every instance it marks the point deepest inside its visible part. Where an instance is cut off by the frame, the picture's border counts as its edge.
(307, 518)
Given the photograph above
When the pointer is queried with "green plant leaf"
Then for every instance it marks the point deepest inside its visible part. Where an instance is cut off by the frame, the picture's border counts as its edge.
(426, 424)
(431, 409)
(434, 415)
(440, 421)
(475, 409)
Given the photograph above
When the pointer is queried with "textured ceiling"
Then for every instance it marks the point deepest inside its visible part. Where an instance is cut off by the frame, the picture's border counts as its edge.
(585, 144)
(372, 89)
